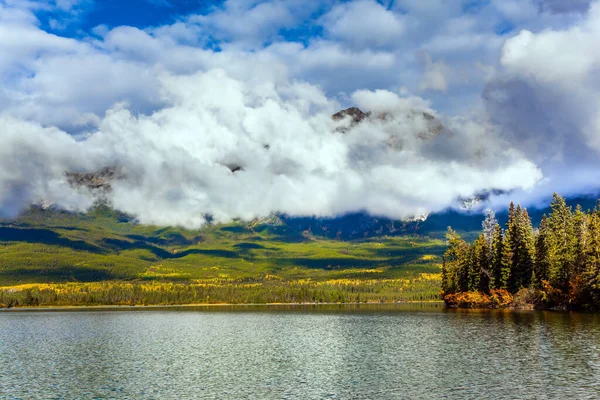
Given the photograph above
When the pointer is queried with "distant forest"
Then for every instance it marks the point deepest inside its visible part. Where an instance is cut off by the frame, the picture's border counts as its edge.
(554, 266)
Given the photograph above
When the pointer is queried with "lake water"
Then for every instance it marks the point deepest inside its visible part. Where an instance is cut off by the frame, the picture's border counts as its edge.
(311, 352)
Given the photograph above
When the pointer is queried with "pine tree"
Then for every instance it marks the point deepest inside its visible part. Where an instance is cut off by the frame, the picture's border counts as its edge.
(580, 222)
(500, 264)
(526, 251)
(592, 270)
(542, 255)
(513, 242)
(562, 243)
(465, 265)
(480, 274)
(454, 277)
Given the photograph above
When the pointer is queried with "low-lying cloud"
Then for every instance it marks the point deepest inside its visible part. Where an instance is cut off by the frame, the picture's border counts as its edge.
(176, 161)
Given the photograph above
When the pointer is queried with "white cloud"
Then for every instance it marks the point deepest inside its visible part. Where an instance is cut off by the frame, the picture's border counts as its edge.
(248, 23)
(364, 23)
(434, 77)
(175, 159)
(573, 52)
(547, 101)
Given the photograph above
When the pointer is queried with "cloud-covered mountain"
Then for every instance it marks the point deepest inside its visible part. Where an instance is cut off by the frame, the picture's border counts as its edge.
(226, 110)
(176, 161)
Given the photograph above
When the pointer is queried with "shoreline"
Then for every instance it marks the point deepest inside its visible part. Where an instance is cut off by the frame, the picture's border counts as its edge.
(110, 307)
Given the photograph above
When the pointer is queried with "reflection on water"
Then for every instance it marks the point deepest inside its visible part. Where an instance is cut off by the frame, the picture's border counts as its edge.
(365, 352)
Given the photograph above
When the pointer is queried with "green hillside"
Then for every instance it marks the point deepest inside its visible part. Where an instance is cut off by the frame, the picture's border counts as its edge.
(50, 257)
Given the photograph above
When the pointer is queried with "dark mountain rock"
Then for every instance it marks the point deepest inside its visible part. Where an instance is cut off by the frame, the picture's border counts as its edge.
(356, 115)
(99, 180)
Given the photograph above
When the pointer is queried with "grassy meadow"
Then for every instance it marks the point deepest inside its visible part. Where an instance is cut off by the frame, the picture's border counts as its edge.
(53, 258)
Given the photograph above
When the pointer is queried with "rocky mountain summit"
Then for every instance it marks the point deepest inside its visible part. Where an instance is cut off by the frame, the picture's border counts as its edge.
(356, 116)
(100, 180)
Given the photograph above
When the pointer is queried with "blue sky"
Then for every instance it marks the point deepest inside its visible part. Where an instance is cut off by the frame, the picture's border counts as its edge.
(113, 13)
(515, 82)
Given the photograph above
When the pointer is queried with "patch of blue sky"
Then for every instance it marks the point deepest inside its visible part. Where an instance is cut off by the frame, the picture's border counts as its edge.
(474, 6)
(307, 30)
(504, 28)
(112, 13)
(304, 33)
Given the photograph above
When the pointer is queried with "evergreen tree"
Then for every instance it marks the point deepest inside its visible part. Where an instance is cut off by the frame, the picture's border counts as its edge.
(454, 277)
(542, 255)
(562, 243)
(513, 242)
(480, 274)
(580, 221)
(526, 251)
(465, 265)
(592, 270)
(500, 264)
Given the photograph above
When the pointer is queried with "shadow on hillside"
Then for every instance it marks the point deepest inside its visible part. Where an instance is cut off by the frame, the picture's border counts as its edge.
(408, 253)
(247, 246)
(150, 239)
(235, 229)
(175, 239)
(68, 228)
(58, 275)
(208, 252)
(329, 263)
(281, 234)
(45, 236)
(121, 245)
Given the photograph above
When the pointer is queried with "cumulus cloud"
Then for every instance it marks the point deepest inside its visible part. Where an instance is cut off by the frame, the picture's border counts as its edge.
(547, 101)
(175, 160)
(364, 23)
(248, 23)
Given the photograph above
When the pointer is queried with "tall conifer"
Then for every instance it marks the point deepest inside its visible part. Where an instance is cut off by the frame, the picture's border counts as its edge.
(513, 242)
(454, 277)
(592, 271)
(542, 255)
(480, 274)
(562, 243)
(526, 250)
(500, 264)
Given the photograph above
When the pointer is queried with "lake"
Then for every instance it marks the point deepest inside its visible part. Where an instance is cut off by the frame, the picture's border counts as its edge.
(305, 352)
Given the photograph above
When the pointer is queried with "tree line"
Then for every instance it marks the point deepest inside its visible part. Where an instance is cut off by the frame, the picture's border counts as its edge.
(261, 292)
(555, 265)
